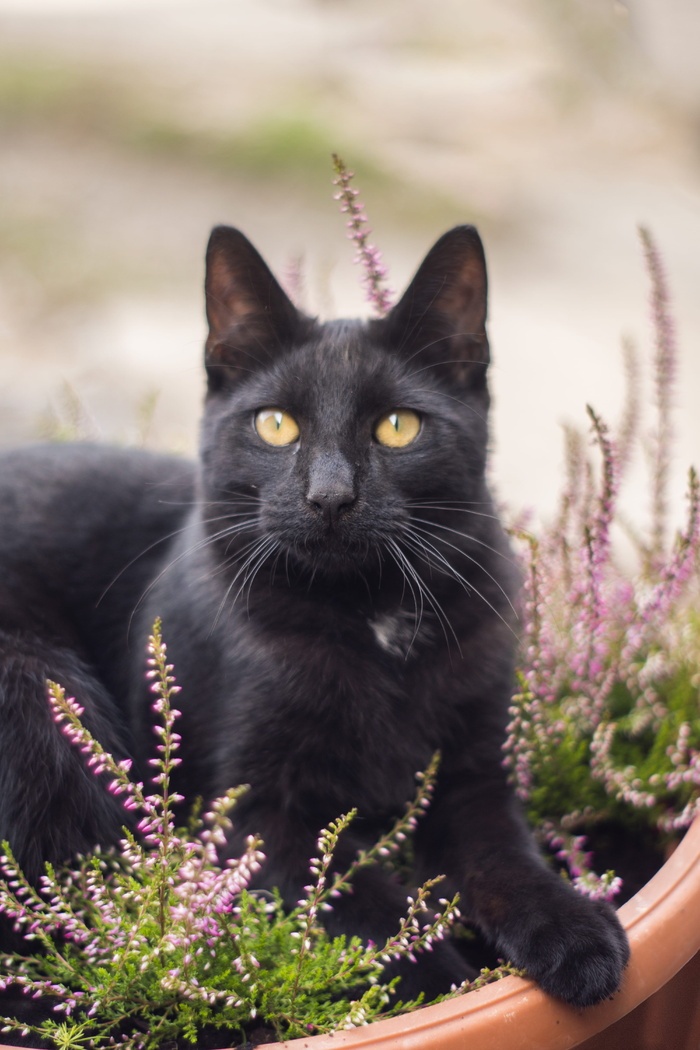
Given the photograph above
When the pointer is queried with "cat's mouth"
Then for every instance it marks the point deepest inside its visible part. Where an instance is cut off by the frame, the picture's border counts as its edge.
(329, 544)
(333, 551)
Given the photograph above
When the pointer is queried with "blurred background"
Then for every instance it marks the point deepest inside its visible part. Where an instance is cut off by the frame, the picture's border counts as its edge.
(129, 127)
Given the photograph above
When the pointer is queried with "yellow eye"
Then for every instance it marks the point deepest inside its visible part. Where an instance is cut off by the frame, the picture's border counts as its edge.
(276, 427)
(398, 428)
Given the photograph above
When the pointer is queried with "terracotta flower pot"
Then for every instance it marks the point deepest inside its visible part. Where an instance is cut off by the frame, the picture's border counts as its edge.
(657, 1008)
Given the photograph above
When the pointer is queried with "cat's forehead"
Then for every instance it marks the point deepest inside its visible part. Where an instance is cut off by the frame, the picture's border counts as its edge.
(341, 358)
(344, 345)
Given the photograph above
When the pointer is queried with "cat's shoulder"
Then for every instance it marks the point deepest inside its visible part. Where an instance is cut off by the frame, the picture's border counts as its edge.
(56, 487)
(44, 467)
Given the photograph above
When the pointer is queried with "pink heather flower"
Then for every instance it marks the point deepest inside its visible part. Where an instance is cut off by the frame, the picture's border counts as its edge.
(293, 280)
(570, 849)
(368, 256)
(665, 366)
(672, 577)
(597, 641)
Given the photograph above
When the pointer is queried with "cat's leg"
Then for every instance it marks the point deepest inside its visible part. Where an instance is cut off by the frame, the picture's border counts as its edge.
(574, 947)
(51, 804)
(373, 911)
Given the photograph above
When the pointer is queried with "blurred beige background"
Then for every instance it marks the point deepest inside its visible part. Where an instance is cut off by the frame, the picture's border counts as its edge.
(129, 128)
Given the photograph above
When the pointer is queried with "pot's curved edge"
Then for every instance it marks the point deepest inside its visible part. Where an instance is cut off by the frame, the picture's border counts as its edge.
(515, 1013)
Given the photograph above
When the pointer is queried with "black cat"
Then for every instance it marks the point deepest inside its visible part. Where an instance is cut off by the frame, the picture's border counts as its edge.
(335, 590)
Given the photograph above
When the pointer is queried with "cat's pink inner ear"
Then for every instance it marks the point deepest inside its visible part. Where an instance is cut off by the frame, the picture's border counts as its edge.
(441, 318)
(463, 298)
(228, 301)
(251, 319)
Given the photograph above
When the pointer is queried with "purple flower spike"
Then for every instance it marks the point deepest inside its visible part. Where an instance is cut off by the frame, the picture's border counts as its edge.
(665, 368)
(368, 256)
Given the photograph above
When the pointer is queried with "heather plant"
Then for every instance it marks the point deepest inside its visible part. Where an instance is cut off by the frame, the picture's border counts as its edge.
(158, 942)
(606, 723)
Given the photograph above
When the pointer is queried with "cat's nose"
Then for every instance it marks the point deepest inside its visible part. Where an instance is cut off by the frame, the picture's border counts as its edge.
(331, 487)
(331, 504)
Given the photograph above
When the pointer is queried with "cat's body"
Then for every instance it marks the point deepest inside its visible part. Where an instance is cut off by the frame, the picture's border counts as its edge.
(335, 591)
(75, 550)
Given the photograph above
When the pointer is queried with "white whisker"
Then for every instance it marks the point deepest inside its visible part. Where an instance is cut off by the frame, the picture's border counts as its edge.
(426, 549)
(261, 550)
(208, 540)
(400, 561)
(464, 536)
(432, 600)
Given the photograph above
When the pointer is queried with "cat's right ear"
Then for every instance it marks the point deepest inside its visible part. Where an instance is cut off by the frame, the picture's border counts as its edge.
(251, 319)
(440, 322)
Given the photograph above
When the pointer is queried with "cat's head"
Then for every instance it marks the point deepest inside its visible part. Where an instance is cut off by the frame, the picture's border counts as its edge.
(332, 437)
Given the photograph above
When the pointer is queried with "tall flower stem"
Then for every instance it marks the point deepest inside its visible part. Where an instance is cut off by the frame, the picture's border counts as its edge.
(368, 256)
(665, 367)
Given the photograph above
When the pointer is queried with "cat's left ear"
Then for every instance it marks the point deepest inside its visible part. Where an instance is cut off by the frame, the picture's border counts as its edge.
(251, 319)
(440, 323)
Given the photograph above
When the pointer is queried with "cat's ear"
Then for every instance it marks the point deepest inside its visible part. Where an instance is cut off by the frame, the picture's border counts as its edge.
(440, 323)
(251, 319)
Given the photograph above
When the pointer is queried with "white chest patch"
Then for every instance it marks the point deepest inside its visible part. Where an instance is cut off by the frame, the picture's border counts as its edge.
(394, 632)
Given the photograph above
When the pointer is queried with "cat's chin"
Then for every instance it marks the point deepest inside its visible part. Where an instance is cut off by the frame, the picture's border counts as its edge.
(333, 561)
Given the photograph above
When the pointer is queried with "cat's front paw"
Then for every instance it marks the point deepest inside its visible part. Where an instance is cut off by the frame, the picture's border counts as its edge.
(577, 954)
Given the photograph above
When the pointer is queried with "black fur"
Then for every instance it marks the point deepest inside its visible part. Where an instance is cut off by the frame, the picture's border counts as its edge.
(336, 611)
